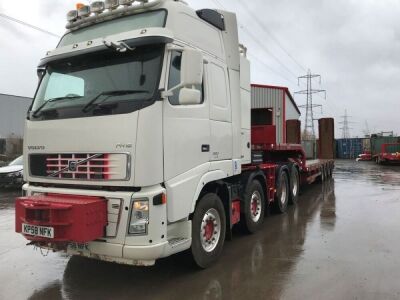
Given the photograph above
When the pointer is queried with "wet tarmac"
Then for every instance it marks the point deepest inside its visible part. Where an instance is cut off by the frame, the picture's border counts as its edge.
(341, 242)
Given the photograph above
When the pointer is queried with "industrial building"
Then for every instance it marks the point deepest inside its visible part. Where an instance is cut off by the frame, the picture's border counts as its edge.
(13, 111)
(265, 99)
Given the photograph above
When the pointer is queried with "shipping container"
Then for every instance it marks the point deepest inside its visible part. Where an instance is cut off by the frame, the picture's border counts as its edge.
(349, 148)
(377, 141)
(366, 144)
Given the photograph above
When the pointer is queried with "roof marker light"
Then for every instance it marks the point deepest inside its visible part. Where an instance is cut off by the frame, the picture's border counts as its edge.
(84, 11)
(97, 7)
(111, 4)
(126, 2)
(72, 15)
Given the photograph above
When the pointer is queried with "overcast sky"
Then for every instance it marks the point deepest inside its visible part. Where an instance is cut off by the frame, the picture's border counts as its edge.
(353, 44)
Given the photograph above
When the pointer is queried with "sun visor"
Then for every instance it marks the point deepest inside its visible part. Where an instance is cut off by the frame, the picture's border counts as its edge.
(143, 37)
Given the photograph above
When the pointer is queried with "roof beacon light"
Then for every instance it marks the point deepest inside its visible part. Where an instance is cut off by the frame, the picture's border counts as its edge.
(79, 6)
(126, 2)
(111, 4)
(72, 15)
(84, 11)
(97, 7)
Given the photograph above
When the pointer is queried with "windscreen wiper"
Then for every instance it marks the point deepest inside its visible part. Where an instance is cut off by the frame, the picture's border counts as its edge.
(35, 113)
(91, 103)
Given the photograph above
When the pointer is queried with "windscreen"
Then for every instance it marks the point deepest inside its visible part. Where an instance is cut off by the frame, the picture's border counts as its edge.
(108, 82)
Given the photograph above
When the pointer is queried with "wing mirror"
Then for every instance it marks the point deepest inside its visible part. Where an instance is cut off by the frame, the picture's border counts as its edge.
(189, 96)
(191, 67)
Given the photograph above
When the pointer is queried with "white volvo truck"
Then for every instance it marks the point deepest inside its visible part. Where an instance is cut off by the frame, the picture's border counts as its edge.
(138, 141)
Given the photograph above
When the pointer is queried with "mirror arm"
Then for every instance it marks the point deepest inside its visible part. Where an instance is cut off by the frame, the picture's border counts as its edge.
(169, 93)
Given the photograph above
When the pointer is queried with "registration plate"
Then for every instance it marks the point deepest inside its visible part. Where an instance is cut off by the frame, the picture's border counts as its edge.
(42, 231)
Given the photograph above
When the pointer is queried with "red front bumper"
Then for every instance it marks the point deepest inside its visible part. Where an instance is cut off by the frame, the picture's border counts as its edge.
(74, 218)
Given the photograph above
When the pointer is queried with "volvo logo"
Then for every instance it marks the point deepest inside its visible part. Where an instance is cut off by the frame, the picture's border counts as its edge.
(72, 165)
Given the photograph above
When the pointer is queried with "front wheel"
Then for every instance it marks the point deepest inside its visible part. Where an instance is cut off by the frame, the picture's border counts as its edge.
(208, 230)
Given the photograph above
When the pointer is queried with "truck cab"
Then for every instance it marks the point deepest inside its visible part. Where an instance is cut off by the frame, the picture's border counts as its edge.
(143, 105)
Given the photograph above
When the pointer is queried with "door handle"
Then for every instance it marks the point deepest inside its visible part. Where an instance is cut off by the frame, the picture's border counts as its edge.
(205, 148)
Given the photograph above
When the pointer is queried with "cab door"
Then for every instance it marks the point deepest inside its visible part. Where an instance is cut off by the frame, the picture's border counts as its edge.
(186, 144)
(220, 112)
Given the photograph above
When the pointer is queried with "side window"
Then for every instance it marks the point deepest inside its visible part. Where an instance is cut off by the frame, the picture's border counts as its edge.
(175, 78)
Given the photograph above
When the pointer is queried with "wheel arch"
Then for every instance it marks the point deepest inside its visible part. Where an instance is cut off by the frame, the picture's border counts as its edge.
(282, 168)
(258, 175)
(211, 182)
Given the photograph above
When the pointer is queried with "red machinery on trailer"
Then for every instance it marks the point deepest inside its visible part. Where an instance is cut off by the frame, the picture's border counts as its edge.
(390, 154)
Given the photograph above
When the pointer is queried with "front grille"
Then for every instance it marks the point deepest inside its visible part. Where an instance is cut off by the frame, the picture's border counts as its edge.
(80, 166)
(94, 168)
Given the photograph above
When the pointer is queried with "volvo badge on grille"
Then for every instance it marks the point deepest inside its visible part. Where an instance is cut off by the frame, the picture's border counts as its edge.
(72, 165)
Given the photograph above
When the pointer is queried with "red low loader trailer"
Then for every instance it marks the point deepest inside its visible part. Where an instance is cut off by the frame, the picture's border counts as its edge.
(284, 164)
(390, 154)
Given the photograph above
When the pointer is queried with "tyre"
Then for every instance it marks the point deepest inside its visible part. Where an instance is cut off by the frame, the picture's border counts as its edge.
(252, 217)
(330, 171)
(294, 185)
(323, 173)
(208, 230)
(282, 192)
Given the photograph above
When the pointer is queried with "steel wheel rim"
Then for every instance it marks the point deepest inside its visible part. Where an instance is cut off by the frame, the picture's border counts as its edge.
(255, 206)
(283, 191)
(210, 231)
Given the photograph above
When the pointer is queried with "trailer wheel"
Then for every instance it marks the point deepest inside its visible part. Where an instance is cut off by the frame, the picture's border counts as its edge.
(208, 230)
(330, 171)
(254, 207)
(282, 192)
(294, 185)
(323, 173)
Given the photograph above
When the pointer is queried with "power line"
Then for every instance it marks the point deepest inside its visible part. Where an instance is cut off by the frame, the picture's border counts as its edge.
(28, 25)
(270, 68)
(254, 38)
(275, 39)
(251, 36)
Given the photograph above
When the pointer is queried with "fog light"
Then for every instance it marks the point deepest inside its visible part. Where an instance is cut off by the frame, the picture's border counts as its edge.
(97, 7)
(139, 217)
(84, 11)
(111, 4)
(126, 2)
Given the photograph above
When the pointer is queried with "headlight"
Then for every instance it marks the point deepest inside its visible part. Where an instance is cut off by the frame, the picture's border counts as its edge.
(139, 217)
(15, 174)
